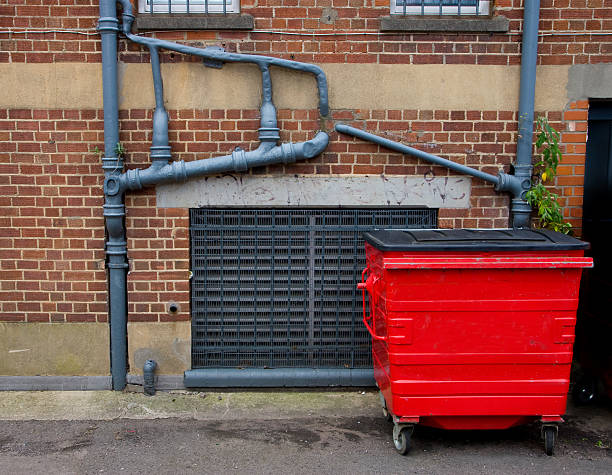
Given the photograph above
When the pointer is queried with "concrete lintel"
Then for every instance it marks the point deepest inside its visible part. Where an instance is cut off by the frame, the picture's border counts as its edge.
(317, 191)
(194, 22)
(55, 383)
(496, 24)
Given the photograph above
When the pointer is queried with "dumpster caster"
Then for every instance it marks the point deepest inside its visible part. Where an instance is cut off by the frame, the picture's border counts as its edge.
(549, 433)
(387, 415)
(402, 435)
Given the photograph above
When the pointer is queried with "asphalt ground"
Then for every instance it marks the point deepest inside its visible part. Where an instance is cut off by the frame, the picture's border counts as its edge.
(271, 433)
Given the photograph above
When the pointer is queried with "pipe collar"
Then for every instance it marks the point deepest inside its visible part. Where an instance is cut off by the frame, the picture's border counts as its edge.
(132, 178)
(239, 161)
(107, 24)
(112, 164)
(179, 171)
(288, 153)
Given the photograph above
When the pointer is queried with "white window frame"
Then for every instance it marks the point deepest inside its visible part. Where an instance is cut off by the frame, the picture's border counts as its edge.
(195, 6)
(415, 10)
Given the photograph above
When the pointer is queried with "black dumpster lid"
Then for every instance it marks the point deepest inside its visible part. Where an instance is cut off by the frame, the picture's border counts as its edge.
(472, 240)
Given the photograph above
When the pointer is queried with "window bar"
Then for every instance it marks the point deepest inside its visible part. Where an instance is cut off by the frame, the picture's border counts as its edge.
(273, 237)
(187, 6)
(422, 7)
(206, 6)
(440, 6)
(404, 6)
(224, 7)
(459, 8)
(169, 6)
(222, 278)
(477, 7)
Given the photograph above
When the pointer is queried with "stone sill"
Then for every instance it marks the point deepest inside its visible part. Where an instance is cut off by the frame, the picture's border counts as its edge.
(496, 24)
(193, 21)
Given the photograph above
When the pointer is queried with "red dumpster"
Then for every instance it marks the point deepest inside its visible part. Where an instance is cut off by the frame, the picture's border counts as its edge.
(472, 329)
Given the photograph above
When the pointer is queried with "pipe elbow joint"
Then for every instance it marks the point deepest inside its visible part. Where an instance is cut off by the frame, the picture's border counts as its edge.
(314, 147)
(517, 186)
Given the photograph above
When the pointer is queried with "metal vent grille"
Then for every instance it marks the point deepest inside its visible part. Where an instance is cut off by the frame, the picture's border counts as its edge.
(276, 287)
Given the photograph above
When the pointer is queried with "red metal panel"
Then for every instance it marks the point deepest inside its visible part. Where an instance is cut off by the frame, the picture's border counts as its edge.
(487, 263)
(473, 339)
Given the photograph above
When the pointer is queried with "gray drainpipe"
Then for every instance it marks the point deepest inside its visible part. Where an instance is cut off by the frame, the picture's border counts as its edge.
(114, 210)
(521, 211)
(161, 171)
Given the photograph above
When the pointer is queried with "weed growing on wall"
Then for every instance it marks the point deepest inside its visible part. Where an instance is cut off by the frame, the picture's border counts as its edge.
(541, 199)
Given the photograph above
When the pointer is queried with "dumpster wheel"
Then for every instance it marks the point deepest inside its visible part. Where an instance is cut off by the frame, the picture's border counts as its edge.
(402, 437)
(549, 433)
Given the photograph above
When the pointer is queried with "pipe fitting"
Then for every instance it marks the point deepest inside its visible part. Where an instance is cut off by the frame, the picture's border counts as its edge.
(288, 153)
(132, 179)
(148, 373)
(160, 155)
(239, 161)
(107, 24)
(511, 184)
(112, 164)
(112, 185)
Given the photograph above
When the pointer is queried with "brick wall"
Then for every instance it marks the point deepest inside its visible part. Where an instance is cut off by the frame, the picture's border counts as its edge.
(52, 231)
(558, 17)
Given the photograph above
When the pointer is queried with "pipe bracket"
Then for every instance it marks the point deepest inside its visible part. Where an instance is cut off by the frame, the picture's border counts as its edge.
(179, 171)
(288, 153)
(239, 161)
(213, 63)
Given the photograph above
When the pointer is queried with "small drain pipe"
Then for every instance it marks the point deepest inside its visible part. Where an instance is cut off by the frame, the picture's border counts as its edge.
(521, 211)
(502, 182)
(148, 376)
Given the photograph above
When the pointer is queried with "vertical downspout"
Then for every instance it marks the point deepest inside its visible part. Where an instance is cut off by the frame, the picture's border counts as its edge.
(521, 211)
(114, 209)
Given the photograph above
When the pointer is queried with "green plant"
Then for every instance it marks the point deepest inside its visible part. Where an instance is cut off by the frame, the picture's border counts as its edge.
(541, 199)
(120, 150)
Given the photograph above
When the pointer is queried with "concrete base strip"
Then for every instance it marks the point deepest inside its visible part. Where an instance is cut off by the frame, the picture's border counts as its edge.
(163, 382)
(278, 378)
(55, 383)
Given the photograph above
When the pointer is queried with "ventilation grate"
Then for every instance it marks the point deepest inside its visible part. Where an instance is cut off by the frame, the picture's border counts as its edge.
(277, 287)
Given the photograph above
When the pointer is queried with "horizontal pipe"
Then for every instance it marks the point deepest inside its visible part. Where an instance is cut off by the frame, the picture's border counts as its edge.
(398, 147)
(238, 161)
(277, 377)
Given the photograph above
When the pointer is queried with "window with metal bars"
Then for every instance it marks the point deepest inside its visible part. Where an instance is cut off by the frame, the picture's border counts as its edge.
(440, 7)
(189, 6)
(276, 288)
